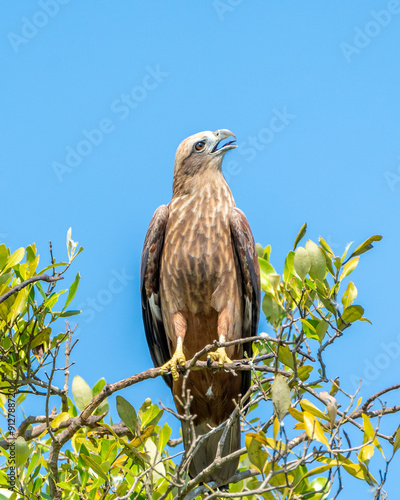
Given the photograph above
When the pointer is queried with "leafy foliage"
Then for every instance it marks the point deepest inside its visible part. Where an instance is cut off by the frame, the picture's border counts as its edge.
(294, 423)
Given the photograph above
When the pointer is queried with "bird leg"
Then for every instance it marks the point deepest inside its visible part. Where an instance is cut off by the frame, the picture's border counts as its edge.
(178, 359)
(220, 354)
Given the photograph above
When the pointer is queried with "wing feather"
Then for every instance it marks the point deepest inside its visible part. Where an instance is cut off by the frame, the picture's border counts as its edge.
(150, 289)
(245, 248)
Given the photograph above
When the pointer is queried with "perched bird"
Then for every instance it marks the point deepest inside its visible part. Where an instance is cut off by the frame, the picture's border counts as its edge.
(200, 282)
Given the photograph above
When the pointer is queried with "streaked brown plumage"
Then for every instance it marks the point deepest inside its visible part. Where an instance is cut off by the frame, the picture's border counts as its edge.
(200, 282)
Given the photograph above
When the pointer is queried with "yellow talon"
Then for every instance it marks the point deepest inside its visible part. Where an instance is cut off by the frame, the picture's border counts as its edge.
(178, 359)
(220, 356)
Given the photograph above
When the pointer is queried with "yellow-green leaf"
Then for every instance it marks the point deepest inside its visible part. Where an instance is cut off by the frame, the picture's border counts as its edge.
(366, 453)
(300, 235)
(349, 267)
(15, 258)
(62, 417)
(296, 414)
(82, 392)
(369, 432)
(308, 406)
(352, 313)
(257, 455)
(304, 372)
(313, 429)
(367, 245)
(335, 387)
(396, 444)
(349, 295)
(317, 261)
(302, 263)
(285, 356)
(325, 246)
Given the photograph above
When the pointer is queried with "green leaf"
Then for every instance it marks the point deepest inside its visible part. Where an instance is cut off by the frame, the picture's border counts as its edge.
(66, 486)
(273, 311)
(352, 313)
(285, 356)
(72, 291)
(127, 413)
(302, 263)
(310, 328)
(300, 235)
(22, 452)
(367, 245)
(317, 260)
(52, 300)
(349, 267)
(52, 266)
(289, 266)
(259, 250)
(304, 372)
(82, 392)
(41, 337)
(266, 270)
(321, 330)
(267, 252)
(280, 396)
(151, 416)
(67, 314)
(164, 436)
(97, 388)
(93, 465)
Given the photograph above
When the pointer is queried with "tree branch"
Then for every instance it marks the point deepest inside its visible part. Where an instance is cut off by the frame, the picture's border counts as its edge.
(20, 286)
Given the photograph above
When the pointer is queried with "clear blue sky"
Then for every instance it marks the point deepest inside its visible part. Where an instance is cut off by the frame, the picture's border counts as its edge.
(311, 91)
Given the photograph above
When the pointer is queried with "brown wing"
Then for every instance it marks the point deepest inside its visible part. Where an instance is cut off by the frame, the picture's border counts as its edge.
(150, 289)
(244, 245)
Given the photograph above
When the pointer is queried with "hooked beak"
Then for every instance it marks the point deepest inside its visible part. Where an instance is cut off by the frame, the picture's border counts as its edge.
(220, 135)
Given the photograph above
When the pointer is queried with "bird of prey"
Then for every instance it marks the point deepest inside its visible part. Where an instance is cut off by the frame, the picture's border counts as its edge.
(200, 282)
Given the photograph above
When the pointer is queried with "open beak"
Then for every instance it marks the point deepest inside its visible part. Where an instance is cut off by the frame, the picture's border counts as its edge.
(220, 136)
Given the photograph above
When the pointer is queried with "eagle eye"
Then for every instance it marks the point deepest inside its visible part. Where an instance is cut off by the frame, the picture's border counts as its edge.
(199, 146)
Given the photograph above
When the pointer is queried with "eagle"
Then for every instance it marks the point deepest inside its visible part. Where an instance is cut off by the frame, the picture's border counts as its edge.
(200, 282)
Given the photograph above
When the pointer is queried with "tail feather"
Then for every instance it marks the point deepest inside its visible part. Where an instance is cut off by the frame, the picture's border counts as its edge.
(205, 455)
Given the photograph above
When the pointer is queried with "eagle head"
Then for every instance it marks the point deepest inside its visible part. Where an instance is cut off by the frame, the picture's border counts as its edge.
(200, 152)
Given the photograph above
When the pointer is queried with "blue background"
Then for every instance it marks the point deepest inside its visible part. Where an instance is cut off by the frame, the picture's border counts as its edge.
(330, 67)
